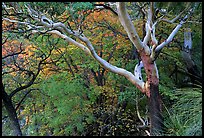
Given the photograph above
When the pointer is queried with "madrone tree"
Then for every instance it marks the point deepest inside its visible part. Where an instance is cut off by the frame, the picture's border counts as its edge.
(33, 20)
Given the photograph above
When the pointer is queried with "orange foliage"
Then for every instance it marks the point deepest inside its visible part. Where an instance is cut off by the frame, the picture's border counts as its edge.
(6, 25)
(10, 47)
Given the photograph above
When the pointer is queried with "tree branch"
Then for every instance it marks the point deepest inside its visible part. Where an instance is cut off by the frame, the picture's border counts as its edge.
(18, 105)
(148, 30)
(178, 16)
(13, 54)
(114, 69)
(170, 38)
(91, 51)
(107, 7)
(61, 29)
(173, 33)
(128, 26)
(34, 76)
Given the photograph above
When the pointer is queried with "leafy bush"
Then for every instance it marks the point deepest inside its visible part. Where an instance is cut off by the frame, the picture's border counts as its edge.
(70, 105)
(185, 116)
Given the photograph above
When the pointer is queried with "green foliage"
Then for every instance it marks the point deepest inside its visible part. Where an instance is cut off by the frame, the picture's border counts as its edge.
(124, 96)
(129, 95)
(185, 116)
(64, 106)
(173, 7)
(6, 123)
(78, 10)
(197, 45)
(112, 117)
(52, 8)
(80, 6)
(70, 107)
(165, 67)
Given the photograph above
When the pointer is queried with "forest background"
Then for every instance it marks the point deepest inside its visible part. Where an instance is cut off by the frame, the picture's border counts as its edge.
(50, 87)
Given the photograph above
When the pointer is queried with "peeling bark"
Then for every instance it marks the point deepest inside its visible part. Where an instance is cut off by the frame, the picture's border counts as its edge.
(152, 92)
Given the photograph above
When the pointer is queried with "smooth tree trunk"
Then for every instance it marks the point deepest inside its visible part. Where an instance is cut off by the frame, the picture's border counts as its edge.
(11, 113)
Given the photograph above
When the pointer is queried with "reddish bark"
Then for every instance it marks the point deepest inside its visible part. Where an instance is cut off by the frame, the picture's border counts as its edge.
(152, 92)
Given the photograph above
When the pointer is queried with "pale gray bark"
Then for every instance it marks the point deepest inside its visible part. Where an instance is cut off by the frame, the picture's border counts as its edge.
(138, 71)
(186, 54)
(128, 26)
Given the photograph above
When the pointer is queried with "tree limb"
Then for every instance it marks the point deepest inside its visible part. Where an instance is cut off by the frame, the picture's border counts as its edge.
(178, 16)
(91, 51)
(34, 76)
(128, 26)
(107, 7)
(18, 105)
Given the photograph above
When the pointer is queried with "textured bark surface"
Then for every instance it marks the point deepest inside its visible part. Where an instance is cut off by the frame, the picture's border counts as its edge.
(152, 92)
